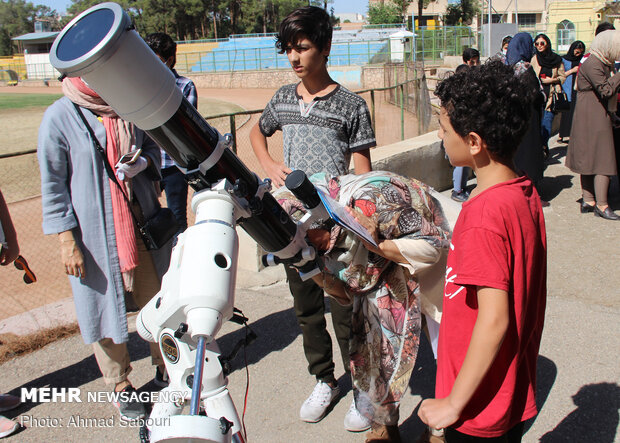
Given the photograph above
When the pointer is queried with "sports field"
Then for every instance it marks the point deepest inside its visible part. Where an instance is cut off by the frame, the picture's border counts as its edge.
(20, 117)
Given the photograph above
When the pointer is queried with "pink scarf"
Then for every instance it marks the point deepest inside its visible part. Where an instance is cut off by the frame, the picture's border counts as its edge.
(119, 139)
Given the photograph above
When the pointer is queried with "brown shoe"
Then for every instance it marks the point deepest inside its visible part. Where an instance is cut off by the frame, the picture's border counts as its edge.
(383, 433)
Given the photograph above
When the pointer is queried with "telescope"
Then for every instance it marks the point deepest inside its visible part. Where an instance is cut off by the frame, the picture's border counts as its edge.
(197, 294)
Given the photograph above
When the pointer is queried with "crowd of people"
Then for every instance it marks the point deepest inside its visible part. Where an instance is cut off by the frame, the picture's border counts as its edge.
(475, 285)
(590, 129)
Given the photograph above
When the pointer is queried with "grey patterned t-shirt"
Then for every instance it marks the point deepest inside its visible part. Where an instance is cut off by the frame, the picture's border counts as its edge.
(319, 136)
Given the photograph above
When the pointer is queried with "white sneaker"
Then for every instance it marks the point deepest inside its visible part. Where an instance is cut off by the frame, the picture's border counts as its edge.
(354, 421)
(316, 405)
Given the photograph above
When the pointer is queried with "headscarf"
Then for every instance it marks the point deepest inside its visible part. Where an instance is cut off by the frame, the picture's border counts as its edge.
(606, 47)
(520, 48)
(119, 139)
(570, 55)
(547, 58)
(385, 319)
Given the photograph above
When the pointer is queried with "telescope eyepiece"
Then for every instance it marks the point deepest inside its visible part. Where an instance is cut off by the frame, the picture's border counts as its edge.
(297, 182)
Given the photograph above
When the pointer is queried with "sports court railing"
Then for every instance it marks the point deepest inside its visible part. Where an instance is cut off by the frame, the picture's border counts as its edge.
(392, 114)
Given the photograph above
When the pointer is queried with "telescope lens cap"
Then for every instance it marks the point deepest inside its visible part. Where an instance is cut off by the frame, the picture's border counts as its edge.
(85, 35)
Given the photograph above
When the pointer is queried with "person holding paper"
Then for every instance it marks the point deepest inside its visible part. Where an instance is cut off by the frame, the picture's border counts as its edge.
(389, 285)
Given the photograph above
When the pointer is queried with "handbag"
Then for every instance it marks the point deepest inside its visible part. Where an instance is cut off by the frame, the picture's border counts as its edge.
(157, 230)
(559, 102)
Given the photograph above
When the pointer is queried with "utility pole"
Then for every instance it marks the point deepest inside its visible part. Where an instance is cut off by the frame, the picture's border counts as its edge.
(488, 45)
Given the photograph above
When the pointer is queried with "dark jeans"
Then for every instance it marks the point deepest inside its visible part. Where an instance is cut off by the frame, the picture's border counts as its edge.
(547, 122)
(174, 184)
(514, 435)
(309, 304)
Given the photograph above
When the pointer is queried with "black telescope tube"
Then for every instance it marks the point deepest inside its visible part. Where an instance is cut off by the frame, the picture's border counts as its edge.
(190, 140)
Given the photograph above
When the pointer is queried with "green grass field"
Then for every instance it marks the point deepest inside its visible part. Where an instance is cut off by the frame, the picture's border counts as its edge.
(17, 101)
(20, 117)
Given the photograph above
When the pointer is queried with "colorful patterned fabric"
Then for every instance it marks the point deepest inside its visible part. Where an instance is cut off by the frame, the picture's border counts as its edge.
(386, 313)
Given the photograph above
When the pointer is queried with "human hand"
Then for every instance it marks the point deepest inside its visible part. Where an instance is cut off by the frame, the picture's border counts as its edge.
(277, 172)
(547, 80)
(8, 254)
(131, 169)
(319, 238)
(438, 413)
(72, 258)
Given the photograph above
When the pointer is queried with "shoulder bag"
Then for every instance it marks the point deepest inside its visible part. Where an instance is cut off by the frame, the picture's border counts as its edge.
(559, 101)
(157, 230)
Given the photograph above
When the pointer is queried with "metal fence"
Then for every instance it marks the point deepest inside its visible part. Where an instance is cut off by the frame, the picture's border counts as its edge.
(393, 117)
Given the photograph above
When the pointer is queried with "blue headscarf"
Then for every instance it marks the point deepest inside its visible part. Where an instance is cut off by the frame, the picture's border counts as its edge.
(520, 48)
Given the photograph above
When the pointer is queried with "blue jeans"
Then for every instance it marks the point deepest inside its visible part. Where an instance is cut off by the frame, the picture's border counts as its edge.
(174, 184)
(459, 178)
(547, 120)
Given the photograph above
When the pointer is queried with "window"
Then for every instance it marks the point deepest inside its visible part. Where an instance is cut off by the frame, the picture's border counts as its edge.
(565, 34)
(528, 20)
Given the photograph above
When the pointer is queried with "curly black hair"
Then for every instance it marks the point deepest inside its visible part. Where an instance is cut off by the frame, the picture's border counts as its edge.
(491, 101)
(310, 21)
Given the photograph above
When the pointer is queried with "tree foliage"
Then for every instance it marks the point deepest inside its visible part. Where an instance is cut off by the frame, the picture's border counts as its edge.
(461, 13)
(198, 19)
(182, 19)
(387, 12)
(17, 18)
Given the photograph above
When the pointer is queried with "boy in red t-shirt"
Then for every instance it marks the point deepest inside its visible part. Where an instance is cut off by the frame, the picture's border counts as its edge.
(495, 290)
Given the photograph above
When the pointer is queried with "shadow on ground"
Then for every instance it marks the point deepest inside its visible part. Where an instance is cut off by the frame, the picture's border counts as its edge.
(595, 419)
(77, 374)
(422, 383)
(275, 332)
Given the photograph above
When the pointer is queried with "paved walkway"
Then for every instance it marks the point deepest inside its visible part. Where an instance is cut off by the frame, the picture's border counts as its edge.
(579, 373)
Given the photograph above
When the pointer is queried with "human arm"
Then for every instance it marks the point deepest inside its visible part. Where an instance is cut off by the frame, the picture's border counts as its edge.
(487, 336)
(190, 93)
(385, 248)
(8, 253)
(54, 165)
(361, 161)
(561, 77)
(277, 172)
(594, 72)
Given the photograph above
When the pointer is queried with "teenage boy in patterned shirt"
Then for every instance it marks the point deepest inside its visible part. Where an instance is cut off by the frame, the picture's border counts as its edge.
(324, 126)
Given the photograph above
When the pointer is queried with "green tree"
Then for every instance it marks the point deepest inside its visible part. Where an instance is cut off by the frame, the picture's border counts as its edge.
(17, 17)
(461, 13)
(379, 13)
(403, 5)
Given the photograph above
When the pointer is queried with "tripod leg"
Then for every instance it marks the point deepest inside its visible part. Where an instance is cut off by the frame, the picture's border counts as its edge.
(221, 405)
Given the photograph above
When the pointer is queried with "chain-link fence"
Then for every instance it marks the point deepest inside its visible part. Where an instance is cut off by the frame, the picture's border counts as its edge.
(393, 115)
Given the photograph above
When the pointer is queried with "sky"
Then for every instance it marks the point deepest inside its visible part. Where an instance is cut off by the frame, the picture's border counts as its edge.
(359, 6)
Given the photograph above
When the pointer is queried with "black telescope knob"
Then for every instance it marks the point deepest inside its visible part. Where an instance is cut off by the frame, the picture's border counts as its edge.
(297, 182)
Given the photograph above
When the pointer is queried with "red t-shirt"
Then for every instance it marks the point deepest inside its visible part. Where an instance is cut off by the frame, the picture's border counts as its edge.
(499, 241)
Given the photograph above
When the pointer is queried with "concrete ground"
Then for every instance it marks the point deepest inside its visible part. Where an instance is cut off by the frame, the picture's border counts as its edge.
(579, 375)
